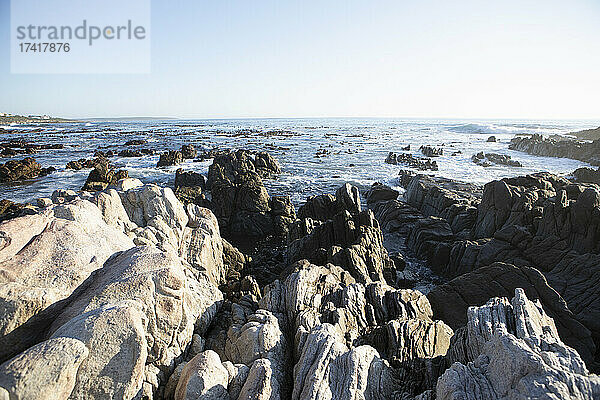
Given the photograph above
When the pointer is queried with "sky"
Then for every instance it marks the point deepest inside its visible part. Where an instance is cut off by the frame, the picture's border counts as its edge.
(523, 59)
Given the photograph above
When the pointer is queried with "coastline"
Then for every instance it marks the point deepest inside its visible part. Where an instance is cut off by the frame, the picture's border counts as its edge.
(222, 287)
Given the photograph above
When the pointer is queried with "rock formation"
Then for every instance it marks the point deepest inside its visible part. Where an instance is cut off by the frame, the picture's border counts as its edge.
(489, 159)
(558, 147)
(26, 168)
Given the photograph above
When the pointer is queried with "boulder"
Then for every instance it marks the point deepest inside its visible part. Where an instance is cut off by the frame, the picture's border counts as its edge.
(354, 242)
(203, 378)
(161, 304)
(380, 192)
(188, 151)
(49, 367)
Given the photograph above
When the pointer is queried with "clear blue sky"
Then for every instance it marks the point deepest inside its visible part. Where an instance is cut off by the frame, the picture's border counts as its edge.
(397, 58)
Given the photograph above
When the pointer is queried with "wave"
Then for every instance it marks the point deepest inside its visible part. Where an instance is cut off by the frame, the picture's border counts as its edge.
(498, 129)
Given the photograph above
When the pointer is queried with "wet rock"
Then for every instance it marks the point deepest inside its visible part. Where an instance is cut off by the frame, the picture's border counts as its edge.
(492, 139)
(380, 192)
(170, 158)
(83, 163)
(135, 142)
(422, 164)
(189, 151)
(26, 168)
(489, 159)
(430, 151)
(135, 153)
(102, 176)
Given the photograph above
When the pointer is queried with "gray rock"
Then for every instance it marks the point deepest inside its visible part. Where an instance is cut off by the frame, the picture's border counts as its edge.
(512, 350)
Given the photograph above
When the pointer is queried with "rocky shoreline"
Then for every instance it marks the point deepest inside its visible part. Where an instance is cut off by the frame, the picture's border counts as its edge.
(216, 289)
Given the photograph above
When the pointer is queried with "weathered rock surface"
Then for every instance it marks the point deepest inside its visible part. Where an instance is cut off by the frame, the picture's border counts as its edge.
(512, 350)
(587, 175)
(240, 200)
(44, 259)
(9, 210)
(539, 221)
(45, 370)
(354, 242)
(451, 300)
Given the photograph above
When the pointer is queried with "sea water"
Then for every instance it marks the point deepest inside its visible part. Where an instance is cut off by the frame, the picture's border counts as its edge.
(355, 150)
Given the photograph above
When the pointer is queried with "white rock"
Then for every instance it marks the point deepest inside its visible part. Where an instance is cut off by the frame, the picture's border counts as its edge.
(204, 377)
(113, 212)
(116, 337)
(46, 258)
(45, 370)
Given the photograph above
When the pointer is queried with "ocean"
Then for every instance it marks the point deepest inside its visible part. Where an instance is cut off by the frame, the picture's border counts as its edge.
(316, 155)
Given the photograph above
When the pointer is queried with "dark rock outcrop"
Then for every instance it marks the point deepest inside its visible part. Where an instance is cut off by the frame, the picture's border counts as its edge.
(189, 187)
(325, 206)
(10, 209)
(354, 242)
(24, 169)
(450, 301)
(422, 164)
(567, 148)
(587, 175)
(102, 176)
(430, 151)
(189, 151)
(489, 159)
(240, 200)
(170, 158)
